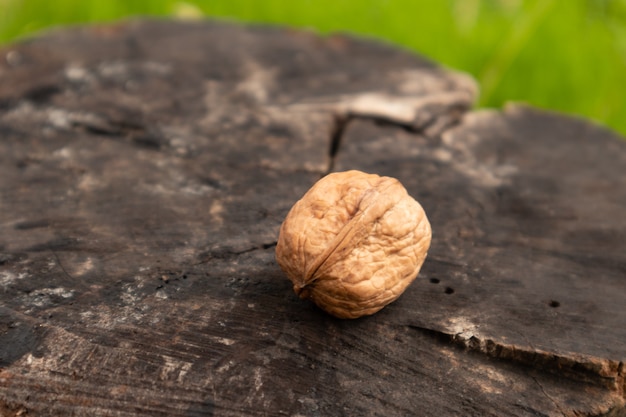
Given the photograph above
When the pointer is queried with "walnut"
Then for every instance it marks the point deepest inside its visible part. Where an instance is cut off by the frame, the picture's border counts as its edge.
(353, 243)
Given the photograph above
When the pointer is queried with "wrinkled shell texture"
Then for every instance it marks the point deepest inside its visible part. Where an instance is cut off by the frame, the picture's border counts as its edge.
(353, 243)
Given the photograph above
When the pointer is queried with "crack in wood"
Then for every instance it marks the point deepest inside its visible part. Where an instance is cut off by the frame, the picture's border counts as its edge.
(138, 133)
(397, 112)
(67, 274)
(338, 129)
(552, 400)
(597, 371)
(229, 253)
(340, 126)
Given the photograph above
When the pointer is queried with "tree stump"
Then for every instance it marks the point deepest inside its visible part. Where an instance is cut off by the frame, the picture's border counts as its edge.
(146, 167)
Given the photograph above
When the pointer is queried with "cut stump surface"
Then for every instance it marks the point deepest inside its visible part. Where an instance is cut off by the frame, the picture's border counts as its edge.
(146, 167)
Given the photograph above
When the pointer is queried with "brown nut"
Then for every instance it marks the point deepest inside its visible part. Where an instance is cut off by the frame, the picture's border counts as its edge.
(353, 243)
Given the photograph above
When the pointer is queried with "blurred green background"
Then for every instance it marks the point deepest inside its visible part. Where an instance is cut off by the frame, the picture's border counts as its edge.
(565, 55)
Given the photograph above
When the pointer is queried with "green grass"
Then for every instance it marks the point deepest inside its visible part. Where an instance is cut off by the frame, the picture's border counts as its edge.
(565, 55)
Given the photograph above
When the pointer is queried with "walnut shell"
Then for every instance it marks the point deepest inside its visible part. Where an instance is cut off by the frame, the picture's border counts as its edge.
(353, 243)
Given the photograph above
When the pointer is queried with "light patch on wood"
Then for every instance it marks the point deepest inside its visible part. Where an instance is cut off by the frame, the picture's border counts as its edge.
(8, 278)
(257, 83)
(216, 210)
(463, 328)
(174, 366)
(64, 153)
(462, 142)
(118, 390)
(84, 267)
(77, 74)
(383, 106)
(59, 118)
(44, 296)
(421, 81)
(128, 296)
(113, 69)
(196, 189)
(88, 183)
(395, 109)
(494, 381)
(258, 381)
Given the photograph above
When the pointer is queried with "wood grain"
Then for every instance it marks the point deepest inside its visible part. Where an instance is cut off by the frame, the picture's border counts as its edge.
(146, 166)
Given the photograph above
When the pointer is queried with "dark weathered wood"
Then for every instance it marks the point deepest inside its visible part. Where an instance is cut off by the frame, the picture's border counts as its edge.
(145, 168)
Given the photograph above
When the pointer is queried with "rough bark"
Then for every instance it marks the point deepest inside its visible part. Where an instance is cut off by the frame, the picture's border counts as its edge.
(145, 168)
